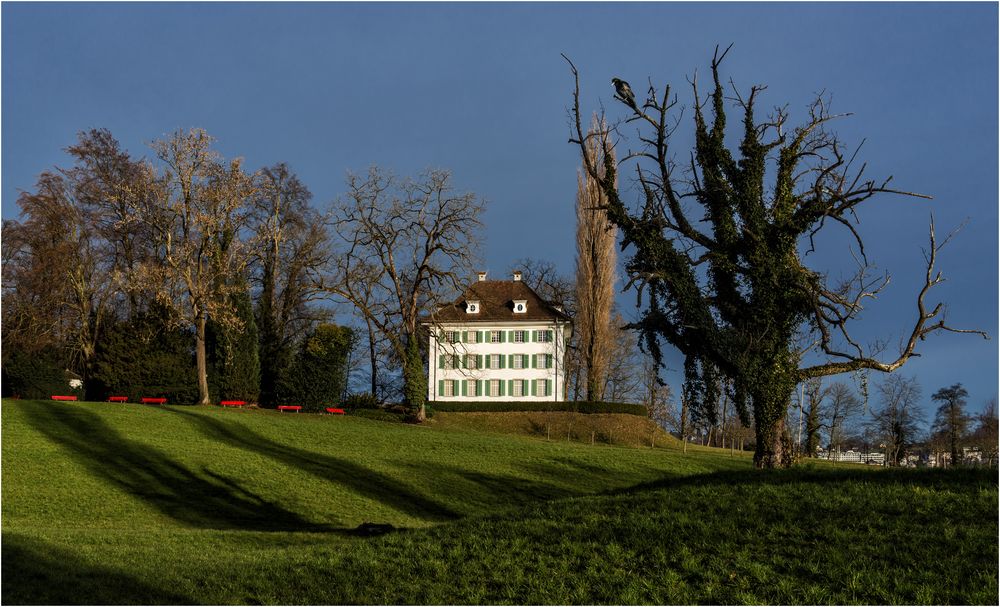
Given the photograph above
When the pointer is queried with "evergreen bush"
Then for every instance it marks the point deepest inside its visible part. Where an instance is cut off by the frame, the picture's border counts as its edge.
(36, 375)
(148, 356)
(317, 377)
(233, 356)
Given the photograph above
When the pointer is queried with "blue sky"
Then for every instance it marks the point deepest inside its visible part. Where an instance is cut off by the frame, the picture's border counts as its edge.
(481, 89)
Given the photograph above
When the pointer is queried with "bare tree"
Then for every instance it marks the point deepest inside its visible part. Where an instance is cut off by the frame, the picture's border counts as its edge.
(596, 261)
(196, 223)
(897, 422)
(815, 394)
(985, 434)
(292, 246)
(727, 286)
(404, 248)
(842, 405)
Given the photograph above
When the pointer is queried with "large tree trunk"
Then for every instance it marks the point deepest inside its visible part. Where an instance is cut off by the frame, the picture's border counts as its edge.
(200, 360)
(772, 445)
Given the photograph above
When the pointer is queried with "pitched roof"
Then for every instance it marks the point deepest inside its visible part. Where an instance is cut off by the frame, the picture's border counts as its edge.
(496, 304)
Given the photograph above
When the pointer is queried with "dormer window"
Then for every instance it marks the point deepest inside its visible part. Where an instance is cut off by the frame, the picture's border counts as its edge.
(472, 307)
(520, 306)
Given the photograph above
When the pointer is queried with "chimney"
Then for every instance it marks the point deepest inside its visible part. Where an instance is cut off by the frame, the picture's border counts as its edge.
(517, 276)
(482, 276)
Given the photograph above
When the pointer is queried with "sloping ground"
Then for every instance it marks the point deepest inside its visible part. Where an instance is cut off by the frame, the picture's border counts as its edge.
(589, 428)
(115, 504)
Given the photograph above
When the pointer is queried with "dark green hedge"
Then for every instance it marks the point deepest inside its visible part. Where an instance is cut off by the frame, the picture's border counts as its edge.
(503, 406)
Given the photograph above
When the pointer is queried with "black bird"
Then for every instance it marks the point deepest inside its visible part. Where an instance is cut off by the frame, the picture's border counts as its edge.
(624, 91)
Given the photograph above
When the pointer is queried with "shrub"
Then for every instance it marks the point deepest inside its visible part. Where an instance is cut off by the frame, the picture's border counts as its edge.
(36, 375)
(363, 400)
(510, 406)
(379, 415)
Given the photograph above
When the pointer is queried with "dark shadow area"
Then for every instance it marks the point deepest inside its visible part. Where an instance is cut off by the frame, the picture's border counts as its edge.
(38, 574)
(361, 480)
(200, 499)
(959, 480)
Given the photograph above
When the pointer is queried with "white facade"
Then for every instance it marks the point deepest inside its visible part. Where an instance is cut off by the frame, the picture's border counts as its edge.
(487, 369)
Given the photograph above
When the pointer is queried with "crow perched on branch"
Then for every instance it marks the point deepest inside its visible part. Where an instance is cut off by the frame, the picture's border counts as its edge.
(624, 91)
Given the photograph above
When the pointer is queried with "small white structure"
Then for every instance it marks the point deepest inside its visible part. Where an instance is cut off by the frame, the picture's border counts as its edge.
(498, 341)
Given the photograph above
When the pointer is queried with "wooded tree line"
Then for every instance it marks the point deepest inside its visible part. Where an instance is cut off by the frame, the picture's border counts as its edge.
(190, 276)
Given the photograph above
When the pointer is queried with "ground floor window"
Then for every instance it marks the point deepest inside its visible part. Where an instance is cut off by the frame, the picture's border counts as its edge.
(541, 387)
(494, 387)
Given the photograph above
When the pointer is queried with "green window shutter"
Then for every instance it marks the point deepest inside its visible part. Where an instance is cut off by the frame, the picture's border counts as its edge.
(510, 387)
(501, 387)
(534, 336)
(487, 357)
(510, 336)
(440, 361)
(534, 361)
(503, 336)
(479, 361)
(465, 337)
(533, 383)
(503, 361)
(465, 388)
(440, 388)
(548, 387)
(549, 335)
(548, 361)
(477, 387)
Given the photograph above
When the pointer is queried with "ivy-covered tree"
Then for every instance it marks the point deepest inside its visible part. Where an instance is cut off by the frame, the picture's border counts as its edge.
(723, 278)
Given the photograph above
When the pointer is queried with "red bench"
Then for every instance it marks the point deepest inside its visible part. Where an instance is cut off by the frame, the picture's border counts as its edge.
(153, 401)
(335, 410)
(283, 408)
(63, 398)
(117, 399)
(232, 403)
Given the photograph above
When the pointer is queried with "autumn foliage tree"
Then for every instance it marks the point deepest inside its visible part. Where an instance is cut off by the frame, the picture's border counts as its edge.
(716, 247)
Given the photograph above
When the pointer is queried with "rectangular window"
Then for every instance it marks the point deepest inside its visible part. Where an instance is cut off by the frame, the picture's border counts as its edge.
(519, 337)
(470, 361)
(449, 387)
(453, 361)
(494, 337)
(517, 388)
(543, 336)
(540, 385)
(494, 361)
(494, 387)
(516, 362)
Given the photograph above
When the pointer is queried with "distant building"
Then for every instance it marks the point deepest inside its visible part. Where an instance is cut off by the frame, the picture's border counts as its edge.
(498, 341)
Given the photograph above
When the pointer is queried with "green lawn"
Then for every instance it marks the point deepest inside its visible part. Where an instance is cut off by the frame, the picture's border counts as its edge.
(131, 504)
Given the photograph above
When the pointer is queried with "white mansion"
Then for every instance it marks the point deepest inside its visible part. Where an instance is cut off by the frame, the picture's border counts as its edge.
(499, 340)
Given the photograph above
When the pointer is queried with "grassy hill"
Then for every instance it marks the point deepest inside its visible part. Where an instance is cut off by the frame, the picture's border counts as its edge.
(131, 504)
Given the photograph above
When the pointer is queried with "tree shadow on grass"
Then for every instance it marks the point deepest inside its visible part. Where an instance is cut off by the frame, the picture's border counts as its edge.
(363, 481)
(202, 499)
(35, 573)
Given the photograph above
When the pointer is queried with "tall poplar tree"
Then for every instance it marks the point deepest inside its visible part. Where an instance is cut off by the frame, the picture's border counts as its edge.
(596, 261)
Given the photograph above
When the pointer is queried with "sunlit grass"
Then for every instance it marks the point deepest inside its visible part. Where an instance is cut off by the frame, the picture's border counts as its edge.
(129, 504)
